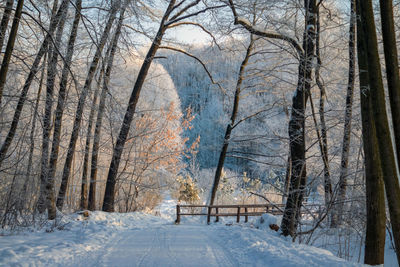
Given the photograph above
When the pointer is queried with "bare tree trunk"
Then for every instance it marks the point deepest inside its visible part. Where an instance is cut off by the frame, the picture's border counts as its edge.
(108, 203)
(51, 72)
(297, 124)
(81, 104)
(34, 69)
(84, 183)
(4, 21)
(375, 196)
(287, 179)
(11, 39)
(339, 209)
(386, 152)
(100, 112)
(62, 93)
(323, 138)
(230, 126)
(51, 76)
(28, 177)
(392, 67)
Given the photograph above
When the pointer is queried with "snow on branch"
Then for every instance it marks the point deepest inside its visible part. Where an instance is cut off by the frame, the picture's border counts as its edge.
(197, 25)
(176, 19)
(263, 33)
(197, 59)
(183, 10)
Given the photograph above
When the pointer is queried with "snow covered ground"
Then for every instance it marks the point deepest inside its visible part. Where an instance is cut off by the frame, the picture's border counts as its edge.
(138, 239)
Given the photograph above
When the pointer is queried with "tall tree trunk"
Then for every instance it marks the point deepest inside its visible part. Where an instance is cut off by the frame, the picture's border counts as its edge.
(108, 203)
(42, 202)
(339, 209)
(296, 126)
(100, 112)
(323, 139)
(32, 73)
(84, 183)
(28, 175)
(229, 128)
(375, 196)
(392, 68)
(51, 76)
(63, 92)
(11, 39)
(386, 152)
(287, 179)
(4, 21)
(81, 104)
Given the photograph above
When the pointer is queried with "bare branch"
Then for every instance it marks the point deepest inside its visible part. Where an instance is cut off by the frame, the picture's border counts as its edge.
(183, 10)
(198, 60)
(253, 115)
(193, 14)
(266, 199)
(197, 25)
(267, 34)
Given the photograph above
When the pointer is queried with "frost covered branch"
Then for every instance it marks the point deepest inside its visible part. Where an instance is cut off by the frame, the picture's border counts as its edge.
(198, 60)
(263, 33)
(197, 25)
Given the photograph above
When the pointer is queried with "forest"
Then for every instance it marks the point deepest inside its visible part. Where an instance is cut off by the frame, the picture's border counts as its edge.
(118, 105)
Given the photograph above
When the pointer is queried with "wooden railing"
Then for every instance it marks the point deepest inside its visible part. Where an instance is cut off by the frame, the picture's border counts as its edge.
(244, 210)
(237, 211)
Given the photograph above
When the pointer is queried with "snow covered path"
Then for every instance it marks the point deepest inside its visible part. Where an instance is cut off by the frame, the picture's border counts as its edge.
(137, 239)
(167, 246)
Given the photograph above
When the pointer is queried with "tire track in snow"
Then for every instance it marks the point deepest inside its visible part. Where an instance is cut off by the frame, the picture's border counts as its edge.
(150, 249)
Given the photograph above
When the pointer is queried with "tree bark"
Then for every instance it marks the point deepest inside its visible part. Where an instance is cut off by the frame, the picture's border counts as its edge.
(338, 211)
(296, 126)
(100, 112)
(4, 21)
(81, 104)
(63, 92)
(324, 137)
(108, 203)
(28, 175)
(84, 183)
(229, 128)
(392, 67)
(387, 157)
(34, 69)
(51, 76)
(375, 196)
(11, 39)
